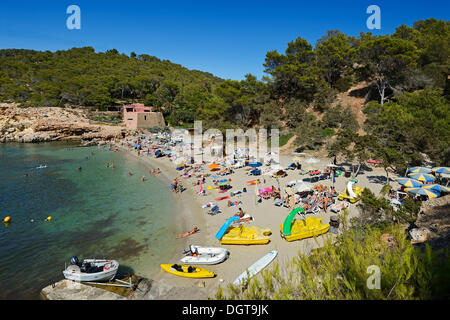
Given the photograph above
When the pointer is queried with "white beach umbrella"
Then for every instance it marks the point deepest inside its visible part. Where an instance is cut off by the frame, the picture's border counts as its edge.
(304, 186)
(312, 160)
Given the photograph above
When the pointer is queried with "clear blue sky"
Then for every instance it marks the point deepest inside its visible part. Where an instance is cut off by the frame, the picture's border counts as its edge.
(226, 38)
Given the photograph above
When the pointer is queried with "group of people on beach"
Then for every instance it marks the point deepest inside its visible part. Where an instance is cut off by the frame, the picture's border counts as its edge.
(177, 186)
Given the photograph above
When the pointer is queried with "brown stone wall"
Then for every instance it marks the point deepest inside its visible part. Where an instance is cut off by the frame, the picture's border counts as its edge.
(150, 119)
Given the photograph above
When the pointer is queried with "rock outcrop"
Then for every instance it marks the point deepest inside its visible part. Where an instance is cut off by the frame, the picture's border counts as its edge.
(69, 290)
(51, 124)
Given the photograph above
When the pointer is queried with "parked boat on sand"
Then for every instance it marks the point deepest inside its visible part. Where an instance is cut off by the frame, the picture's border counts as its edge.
(91, 270)
(205, 255)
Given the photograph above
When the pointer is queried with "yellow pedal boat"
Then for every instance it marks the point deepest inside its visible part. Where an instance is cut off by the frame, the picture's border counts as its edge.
(187, 271)
(352, 193)
(301, 229)
(246, 235)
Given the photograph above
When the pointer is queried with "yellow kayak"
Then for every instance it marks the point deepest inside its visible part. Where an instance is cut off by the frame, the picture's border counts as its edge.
(301, 229)
(187, 271)
(246, 235)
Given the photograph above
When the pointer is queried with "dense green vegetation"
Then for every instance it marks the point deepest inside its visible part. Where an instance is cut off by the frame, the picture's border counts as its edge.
(341, 269)
(405, 75)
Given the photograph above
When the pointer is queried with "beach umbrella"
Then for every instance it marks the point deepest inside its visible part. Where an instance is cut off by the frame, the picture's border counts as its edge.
(425, 192)
(303, 186)
(441, 170)
(255, 164)
(422, 177)
(436, 187)
(419, 170)
(310, 167)
(213, 166)
(408, 182)
(312, 160)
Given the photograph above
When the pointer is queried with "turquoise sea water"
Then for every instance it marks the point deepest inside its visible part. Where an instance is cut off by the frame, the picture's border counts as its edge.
(97, 212)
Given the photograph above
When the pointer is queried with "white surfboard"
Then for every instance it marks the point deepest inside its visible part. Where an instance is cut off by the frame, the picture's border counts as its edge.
(256, 267)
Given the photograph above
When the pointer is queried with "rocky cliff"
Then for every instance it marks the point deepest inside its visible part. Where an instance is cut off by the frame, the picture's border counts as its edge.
(51, 124)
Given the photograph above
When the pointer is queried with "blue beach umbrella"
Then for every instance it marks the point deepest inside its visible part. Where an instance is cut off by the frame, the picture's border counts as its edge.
(441, 169)
(255, 164)
(408, 182)
(436, 187)
(425, 192)
(419, 170)
(422, 177)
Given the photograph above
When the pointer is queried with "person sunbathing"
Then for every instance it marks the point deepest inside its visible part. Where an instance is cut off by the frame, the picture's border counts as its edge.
(275, 193)
(234, 203)
(245, 219)
(265, 194)
(184, 235)
(240, 213)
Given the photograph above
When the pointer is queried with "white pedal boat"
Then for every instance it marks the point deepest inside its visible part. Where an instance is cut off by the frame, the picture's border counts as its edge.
(91, 270)
(205, 255)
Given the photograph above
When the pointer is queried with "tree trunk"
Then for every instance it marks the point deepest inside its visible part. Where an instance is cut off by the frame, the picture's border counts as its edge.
(387, 176)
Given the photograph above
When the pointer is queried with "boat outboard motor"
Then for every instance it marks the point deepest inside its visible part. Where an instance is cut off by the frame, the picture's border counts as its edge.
(74, 260)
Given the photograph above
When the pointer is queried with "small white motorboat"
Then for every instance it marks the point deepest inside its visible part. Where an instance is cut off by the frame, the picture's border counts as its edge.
(204, 255)
(91, 270)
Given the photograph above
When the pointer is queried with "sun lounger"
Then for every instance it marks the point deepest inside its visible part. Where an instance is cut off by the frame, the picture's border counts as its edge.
(279, 203)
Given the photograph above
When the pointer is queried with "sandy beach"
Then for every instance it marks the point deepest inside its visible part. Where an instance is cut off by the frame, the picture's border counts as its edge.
(264, 213)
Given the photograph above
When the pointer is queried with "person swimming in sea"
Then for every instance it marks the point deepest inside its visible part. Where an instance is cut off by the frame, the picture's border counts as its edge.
(79, 168)
(143, 178)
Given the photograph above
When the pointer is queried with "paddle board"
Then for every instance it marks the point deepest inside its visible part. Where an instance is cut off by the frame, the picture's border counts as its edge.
(256, 267)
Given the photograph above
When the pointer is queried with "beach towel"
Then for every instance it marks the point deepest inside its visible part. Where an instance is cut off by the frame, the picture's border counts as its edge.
(222, 198)
(208, 205)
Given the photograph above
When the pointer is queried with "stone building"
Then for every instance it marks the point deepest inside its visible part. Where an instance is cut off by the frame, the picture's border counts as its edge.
(138, 116)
